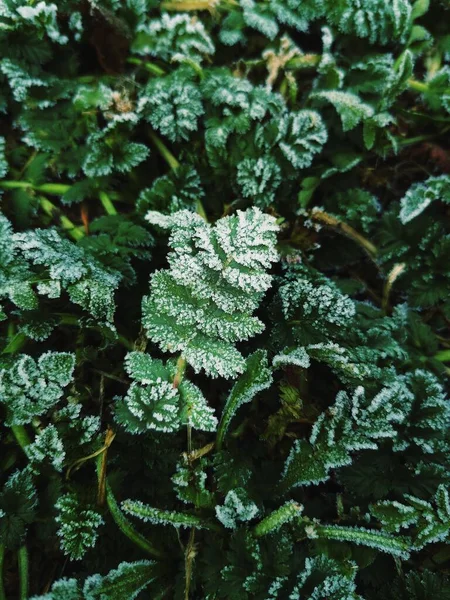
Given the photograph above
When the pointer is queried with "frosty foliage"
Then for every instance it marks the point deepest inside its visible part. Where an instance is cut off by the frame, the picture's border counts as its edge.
(78, 526)
(421, 195)
(154, 403)
(287, 160)
(237, 507)
(172, 35)
(69, 267)
(30, 388)
(203, 304)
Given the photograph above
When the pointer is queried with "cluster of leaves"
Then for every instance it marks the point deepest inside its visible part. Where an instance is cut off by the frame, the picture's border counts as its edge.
(224, 299)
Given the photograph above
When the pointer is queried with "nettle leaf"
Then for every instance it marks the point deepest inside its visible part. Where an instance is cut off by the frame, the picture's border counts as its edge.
(292, 356)
(78, 526)
(349, 107)
(179, 189)
(297, 135)
(421, 195)
(18, 503)
(320, 577)
(429, 521)
(256, 377)
(237, 507)
(202, 305)
(31, 388)
(259, 17)
(157, 516)
(395, 545)
(297, 13)
(288, 512)
(172, 35)
(127, 581)
(172, 105)
(259, 179)
(350, 425)
(437, 92)
(43, 16)
(379, 20)
(67, 589)
(153, 402)
(87, 282)
(47, 446)
(190, 484)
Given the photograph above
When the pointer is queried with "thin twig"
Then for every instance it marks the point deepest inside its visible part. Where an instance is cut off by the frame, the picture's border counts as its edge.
(396, 271)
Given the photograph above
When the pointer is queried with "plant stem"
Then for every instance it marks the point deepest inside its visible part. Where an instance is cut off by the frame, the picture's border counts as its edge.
(443, 356)
(15, 343)
(418, 86)
(2, 560)
(330, 221)
(22, 557)
(107, 203)
(127, 528)
(396, 271)
(181, 366)
(21, 435)
(54, 189)
(164, 151)
(189, 557)
(53, 211)
(188, 5)
(152, 68)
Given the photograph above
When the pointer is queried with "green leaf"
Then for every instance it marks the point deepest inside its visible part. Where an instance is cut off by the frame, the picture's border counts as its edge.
(420, 7)
(157, 516)
(256, 377)
(18, 504)
(349, 107)
(127, 581)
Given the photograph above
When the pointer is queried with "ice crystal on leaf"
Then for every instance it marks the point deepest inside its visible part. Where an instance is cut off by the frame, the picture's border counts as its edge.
(171, 35)
(30, 388)
(237, 507)
(153, 402)
(78, 526)
(203, 303)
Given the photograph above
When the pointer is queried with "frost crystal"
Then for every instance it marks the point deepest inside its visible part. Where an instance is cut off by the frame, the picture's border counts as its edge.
(30, 388)
(237, 507)
(77, 526)
(203, 303)
(154, 403)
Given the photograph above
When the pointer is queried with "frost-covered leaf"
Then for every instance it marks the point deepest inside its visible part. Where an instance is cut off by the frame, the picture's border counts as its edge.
(127, 581)
(178, 190)
(163, 517)
(172, 35)
(202, 304)
(292, 356)
(77, 526)
(87, 282)
(18, 503)
(349, 107)
(298, 136)
(172, 105)
(237, 507)
(3, 162)
(256, 377)
(29, 388)
(47, 446)
(153, 402)
(258, 179)
(421, 195)
(378, 20)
